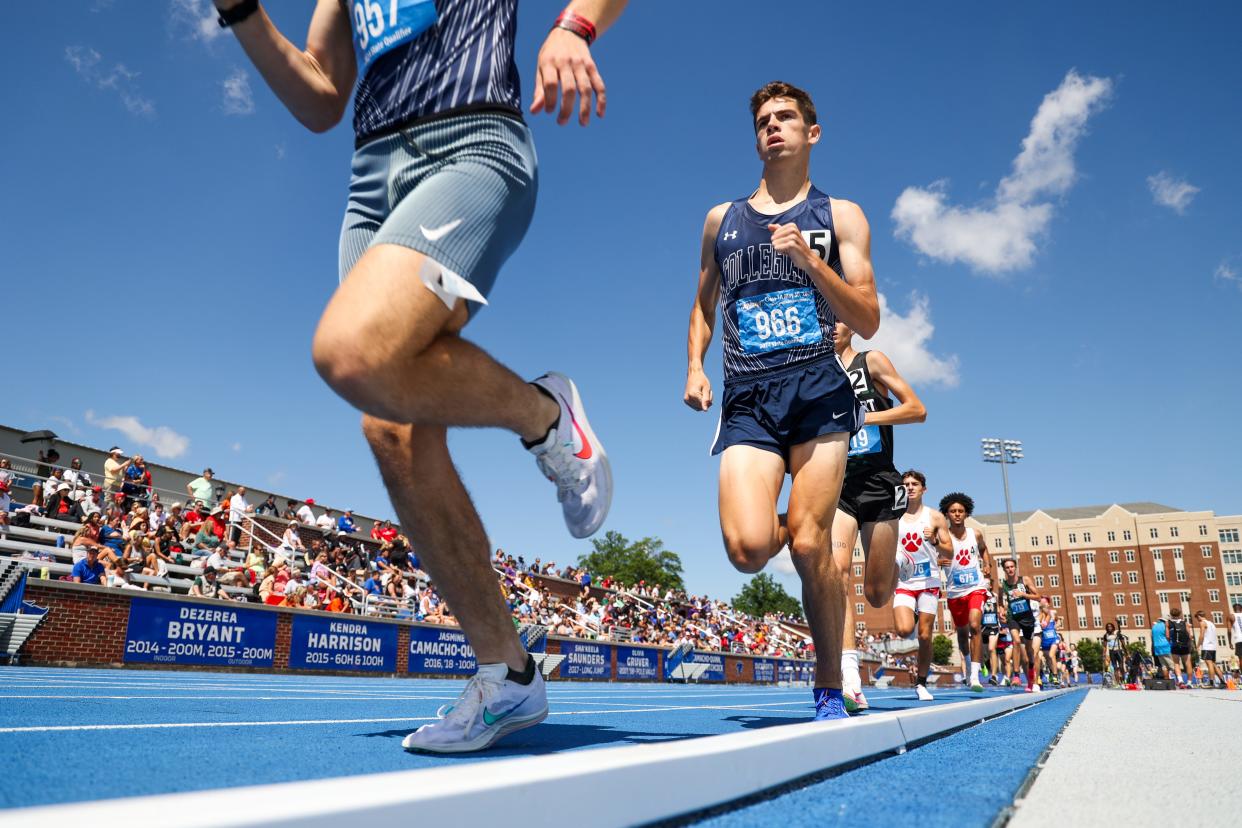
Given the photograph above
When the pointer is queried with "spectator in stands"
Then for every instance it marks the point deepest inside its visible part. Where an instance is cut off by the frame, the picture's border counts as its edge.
(156, 516)
(345, 523)
(78, 480)
(205, 540)
(218, 522)
(256, 564)
(272, 587)
(291, 540)
(321, 572)
(157, 560)
(169, 545)
(59, 503)
(384, 531)
(117, 575)
(86, 536)
(208, 585)
(306, 515)
(46, 470)
(112, 536)
(239, 508)
(91, 504)
(202, 489)
(88, 570)
(326, 524)
(114, 468)
(291, 510)
(6, 474)
(192, 520)
(136, 481)
(268, 507)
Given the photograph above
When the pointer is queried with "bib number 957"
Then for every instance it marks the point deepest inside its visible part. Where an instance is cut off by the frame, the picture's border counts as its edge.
(380, 25)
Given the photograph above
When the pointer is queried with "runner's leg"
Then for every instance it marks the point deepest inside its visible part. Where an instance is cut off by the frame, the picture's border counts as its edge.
(880, 550)
(750, 484)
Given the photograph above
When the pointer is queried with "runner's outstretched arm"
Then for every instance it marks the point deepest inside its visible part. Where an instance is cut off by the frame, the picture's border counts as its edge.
(698, 394)
(910, 408)
(565, 61)
(313, 83)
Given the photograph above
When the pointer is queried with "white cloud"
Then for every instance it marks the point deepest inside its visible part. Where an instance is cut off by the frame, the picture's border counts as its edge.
(237, 447)
(280, 152)
(164, 441)
(783, 563)
(1225, 272)
(1000, 234)
(195, 20)
(1174, 193)
(238, 98)
(67, 423)
(905, 340)
(118, 78)
(276, 478)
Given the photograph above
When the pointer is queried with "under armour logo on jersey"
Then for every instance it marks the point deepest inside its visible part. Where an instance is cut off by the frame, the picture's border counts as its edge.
(911, 541)
(730, 236)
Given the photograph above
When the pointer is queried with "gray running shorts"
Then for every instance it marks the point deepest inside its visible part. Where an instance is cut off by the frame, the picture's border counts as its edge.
(460, 190)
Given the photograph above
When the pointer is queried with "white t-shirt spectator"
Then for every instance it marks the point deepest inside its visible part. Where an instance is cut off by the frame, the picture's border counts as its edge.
(238, 507)
(156, 518)
(218, 560)
(325, 523)
(79, 482)
(306, 515)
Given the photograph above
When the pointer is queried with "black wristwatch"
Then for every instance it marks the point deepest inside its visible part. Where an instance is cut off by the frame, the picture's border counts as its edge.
(237, 14)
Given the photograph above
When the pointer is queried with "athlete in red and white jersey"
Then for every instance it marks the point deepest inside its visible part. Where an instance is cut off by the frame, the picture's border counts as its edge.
(922, 540)
(967, 586)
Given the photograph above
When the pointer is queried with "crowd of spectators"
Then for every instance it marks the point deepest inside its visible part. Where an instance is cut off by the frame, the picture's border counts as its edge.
(207, 540)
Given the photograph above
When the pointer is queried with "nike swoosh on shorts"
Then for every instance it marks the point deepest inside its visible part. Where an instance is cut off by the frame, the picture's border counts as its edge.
(437, 233)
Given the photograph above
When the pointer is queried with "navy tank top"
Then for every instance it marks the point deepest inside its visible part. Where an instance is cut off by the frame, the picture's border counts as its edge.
(463, 62)
(774, 316)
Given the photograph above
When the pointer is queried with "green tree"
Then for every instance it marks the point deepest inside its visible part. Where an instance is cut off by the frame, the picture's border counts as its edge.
(1139, 647)
(1092, 655)
(942, 649)
(632, 561)
(762, 594)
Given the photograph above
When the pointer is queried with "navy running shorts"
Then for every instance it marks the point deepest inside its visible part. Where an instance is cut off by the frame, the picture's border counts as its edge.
(787, 408)
(459, 189)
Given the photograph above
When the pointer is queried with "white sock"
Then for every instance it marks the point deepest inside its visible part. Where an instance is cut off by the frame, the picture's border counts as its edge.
(974, 673)
(851, 679)
(966, 663)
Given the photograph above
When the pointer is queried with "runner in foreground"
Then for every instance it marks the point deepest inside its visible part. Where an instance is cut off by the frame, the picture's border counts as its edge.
(967, 586)
(1018, 593)
(923, 538)
(873, 497)
(442, 191)
(784, 264)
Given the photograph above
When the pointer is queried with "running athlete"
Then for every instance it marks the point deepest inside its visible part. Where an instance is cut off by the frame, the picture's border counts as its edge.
(990, 631)
(1004, 646)
(784, 264)
(1208, 644)
(1018, 593)
(967, 586)
(923, 540)
(442, 191)
(873, 497)
(1049, 639)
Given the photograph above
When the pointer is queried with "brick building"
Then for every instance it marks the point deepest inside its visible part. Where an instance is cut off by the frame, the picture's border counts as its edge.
(1128, 563)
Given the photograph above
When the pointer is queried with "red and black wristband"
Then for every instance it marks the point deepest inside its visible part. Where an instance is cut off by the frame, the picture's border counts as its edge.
(577, 24)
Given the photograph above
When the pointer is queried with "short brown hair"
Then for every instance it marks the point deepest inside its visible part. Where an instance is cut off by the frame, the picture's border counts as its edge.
(917, 475)
(780, 89)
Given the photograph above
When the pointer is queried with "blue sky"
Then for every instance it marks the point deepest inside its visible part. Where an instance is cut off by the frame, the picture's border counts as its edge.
(171, 234)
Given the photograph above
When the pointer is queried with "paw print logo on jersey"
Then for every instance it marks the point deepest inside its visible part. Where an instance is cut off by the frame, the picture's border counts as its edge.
(963, 557)
(911, 541)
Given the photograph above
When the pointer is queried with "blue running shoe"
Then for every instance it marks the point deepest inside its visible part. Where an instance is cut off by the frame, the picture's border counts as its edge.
(829, 704)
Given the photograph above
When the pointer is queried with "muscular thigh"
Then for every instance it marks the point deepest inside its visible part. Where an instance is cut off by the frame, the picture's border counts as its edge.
(817, 467)
(750, 483)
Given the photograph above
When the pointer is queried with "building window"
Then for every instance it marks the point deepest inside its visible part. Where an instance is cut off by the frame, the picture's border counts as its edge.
(1123, 620)
(1185, 598)
(1206, 550)
(1133, 577)
(1235, 598)
(858, 609)
(1077, 580)
(1126, 535)
(1048, 540)
(1091, 580)
(1214, 596)
(1039, 581)
(1177, 553)
(1073, 537)
(1086, 537)
(1052, 560)
(1114, 557)
(1116, 577)
(1203, 530)
(1129, 556)
(1079, 600)
(1230, 557)
(1140, 620)
(1090, 557)
(1034, 540)
(1112, 536)
(1075, 558)
(1056, 601)
(1157, 554)
(1099, 622)
(857, 571)
(1233, 578)
(1160, 576)
(1082, 621)
(1181, 574)
(858, 553)
(1230, 536)
(1155, 532)
(999, 543)
(1054, 580)
(1173, 533)
(1136, 598)
(1209, 572)
(1095, 600)
(1119, 599)
(1218, 617)
(1163, 597)
(1037, 560)
(858, 589)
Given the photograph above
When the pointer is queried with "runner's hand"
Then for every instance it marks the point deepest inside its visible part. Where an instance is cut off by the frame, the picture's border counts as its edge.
(787, 239)
(698, 391)
(929, 534)
(565, 61)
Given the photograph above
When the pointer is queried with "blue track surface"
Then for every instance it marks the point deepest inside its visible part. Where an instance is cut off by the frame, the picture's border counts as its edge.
(960, 780)
(73, 735)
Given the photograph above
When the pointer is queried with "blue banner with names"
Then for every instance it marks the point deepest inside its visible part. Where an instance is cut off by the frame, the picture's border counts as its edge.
(173, 632)
(441, 651)
(342, 644)
(586, 660)
(715, 666)
(638, 663)
(765, 670)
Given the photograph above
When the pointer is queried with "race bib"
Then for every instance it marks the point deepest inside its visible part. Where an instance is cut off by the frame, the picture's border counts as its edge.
(381, 25)
(1018, 606)
(966, 578)
(866, 441)
(922, 570)
(990, 619)
(774, 321)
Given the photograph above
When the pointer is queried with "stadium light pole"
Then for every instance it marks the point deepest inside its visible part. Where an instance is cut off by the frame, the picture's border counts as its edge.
(1005, 452)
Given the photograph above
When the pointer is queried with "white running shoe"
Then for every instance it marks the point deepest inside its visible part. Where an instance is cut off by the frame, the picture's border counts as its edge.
(1035, 688)
(573, 459)
(923, 693)
(855, 702)
(490, 707)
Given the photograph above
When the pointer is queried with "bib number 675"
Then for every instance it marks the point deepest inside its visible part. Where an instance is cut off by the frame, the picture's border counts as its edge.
(778, 323)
